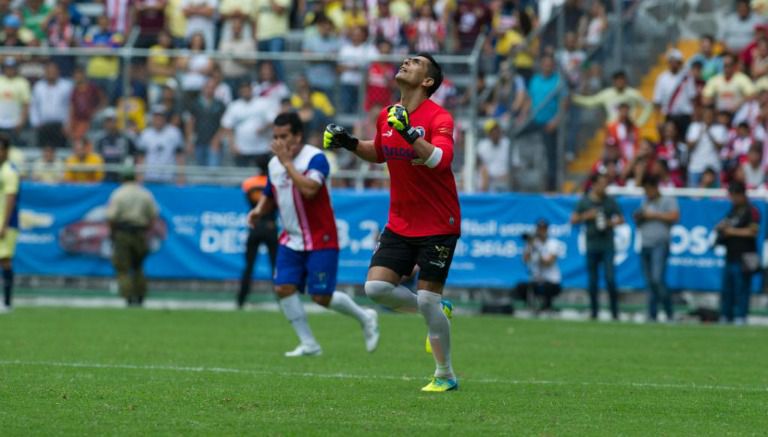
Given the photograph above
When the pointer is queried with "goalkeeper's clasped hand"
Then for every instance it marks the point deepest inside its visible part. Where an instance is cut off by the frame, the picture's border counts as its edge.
(397, 118)
(336, 137)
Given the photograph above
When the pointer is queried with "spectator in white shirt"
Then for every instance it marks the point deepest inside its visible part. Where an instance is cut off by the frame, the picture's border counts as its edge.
(247, 126)
(200, 19)
(571, 60)
(675, 92)
(354, 56)
(161, 149)
(753, 168)
(737, 30)
(540, 255)
(495, 153)
(269, 86)
(705, 138)
(49, 110)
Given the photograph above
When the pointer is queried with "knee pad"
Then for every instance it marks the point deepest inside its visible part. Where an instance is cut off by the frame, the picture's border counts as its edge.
(378, 290)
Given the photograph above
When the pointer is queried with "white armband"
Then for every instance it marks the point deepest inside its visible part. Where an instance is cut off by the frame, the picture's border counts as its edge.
(435, 158)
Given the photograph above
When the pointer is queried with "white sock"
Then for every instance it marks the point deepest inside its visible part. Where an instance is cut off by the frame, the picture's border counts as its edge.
(439, 328)
(397, 298)
(342, 303)
(294, 312)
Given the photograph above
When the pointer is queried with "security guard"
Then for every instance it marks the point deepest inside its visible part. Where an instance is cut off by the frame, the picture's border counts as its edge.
(264, 232)
(132, 210)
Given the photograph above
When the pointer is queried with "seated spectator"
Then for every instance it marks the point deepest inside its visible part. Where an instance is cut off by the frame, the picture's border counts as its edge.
(83, 165)
(317, 99)
(660, 169)
(759, 65)
(705, 138)
(611, 97)
(119, 14)
(10, 36)
(426, 33)
(354, 56)
(727, 91)
(50, 106)
(736, 30)
(35, 15)
(161, 150)
(203, 121)
(200, 19)
(540, 255)
(114, 146)
(246, 127)
(172, 102)
(86, 100)
(711, 63)
(623, 133)
(496, 158)
(471, 18)
(753, 169)
(597, 24)
(322, 39)
(313, 119)
(103, 71)
(611, 164)
(639, 165)
(237, 42)
(447, 95)
(223, 89)
(740, 140)
(48, 168)
(61, 34)
(269, 86)
(510, 98)
(381, 79)
(150, 19)
(387, 25)
(194, 68)
(353, 14)
(673, 152)
(512, 45)
(161, 66)
(709, 179)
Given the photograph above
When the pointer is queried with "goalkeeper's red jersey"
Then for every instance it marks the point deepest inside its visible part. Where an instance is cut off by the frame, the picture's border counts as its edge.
(423, 201)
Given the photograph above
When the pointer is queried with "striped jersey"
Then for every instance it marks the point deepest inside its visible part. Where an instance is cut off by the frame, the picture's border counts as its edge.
(308, 224)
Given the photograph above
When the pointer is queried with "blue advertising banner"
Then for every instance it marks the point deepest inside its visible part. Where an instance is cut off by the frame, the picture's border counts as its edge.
(202, 235)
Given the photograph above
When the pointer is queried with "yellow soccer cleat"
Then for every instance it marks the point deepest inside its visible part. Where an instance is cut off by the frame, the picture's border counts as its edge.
(448, 311)
(439, 385)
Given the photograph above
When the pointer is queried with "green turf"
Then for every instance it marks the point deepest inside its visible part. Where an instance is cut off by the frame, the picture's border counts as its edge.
(222, 373)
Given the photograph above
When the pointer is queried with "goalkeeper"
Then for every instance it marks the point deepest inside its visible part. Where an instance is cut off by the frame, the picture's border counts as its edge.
(415, 139)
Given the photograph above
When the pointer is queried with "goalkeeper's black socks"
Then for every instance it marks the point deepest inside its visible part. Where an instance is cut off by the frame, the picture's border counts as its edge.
(7, 286)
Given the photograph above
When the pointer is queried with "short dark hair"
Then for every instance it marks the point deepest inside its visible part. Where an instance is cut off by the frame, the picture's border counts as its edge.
(434, 71)
(290, 119)
(5, 141)
(650, 180)
(737, 187)
(621, 74)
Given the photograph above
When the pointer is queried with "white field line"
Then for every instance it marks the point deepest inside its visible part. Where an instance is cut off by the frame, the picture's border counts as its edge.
(193, 369)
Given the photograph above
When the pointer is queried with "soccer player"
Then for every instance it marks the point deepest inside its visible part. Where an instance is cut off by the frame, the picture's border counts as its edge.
(308, 253)
(415, 139)
(9, 219)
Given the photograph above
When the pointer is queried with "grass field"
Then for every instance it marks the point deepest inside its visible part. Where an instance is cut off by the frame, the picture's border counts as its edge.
(142, 372)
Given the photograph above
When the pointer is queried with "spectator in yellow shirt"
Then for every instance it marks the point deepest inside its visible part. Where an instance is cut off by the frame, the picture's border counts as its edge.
(83, 165)
(730, 89)
(612, 97)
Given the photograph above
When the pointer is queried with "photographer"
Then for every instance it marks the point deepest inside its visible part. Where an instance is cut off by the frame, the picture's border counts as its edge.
(738, 233)
(540, 255)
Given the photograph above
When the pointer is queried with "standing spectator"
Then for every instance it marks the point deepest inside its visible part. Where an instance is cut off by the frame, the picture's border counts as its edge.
(727, 91)
(705, 138)
(675, 92)
(103, 71)
(150, 18)
(131, 211)
(711, 63)
(176, 22)
(322, 39)
(654, 219)
(50, 108)
(61, 35)
(571, 60)
(87, 99)
(269, 86)
(119, 14)
(35, 15)
(547, 112)
(509, 98)
(194, 68)
(512, 45)
(738, 233)
(200, 19)
(624, 133)
(753, 168)
(673, 152)
(238, 43)
(381, 79)
(160, 65)
(318, 99)
(611, 97)
(10, 36)
(600, 214)
(426, 33)
(272, 27)
(354, 55)
(83, 165)
(48, 168)
(246, 125)
(596, 26)
(160, 148)
(471, 18)
(114, 146)
(264, 231)
(540, 254)
(203, 121)
(244, 10)
(495, 155)
(387, 25)
(15, 95)
(759, 65)
(737, 29)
